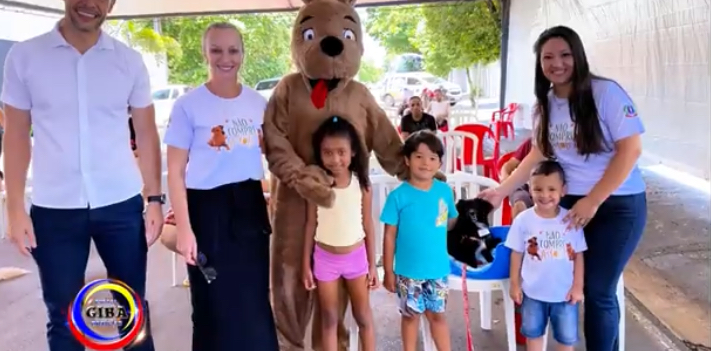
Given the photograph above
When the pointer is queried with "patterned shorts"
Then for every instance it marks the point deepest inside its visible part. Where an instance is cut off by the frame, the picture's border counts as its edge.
(420, 295)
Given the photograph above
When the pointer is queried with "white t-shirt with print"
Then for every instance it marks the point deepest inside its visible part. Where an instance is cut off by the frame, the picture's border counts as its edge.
(547, 245)
(221, 136)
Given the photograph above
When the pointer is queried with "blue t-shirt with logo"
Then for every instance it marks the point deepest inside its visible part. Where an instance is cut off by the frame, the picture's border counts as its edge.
(221, 136)
(548, 249)
(421, 218)
(618, 119)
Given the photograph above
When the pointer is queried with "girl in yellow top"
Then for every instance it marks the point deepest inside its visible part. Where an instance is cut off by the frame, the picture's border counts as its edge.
(340, 239)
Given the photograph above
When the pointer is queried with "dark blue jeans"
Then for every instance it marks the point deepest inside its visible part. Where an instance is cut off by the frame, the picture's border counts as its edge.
(63, 244)
(612, 236)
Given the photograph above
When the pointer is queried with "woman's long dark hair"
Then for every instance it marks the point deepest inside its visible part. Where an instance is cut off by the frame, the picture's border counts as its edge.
(339, 127)
(588, 132)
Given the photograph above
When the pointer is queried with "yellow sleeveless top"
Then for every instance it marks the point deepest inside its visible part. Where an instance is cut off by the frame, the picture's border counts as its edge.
(342, 224)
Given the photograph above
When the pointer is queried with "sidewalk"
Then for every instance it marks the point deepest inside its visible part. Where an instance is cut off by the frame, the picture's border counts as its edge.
(20, 300)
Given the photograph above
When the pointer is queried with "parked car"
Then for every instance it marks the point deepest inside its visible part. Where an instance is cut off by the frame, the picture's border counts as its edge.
(395, 84)
(164, 97)
(266, 87)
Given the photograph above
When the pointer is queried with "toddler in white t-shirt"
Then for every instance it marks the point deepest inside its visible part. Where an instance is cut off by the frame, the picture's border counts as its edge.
(547, 263)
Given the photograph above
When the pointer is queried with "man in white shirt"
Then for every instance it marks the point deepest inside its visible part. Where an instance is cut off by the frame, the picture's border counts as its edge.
(439, 108)
(73, 86)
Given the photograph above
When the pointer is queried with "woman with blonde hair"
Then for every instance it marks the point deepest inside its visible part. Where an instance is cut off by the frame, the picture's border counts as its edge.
(222, 227)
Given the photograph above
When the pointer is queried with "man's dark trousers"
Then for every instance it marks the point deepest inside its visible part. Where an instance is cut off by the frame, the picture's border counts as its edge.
(63, 244)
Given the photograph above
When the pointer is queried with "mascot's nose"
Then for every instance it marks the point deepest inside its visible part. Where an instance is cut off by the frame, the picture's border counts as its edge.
(331, 46)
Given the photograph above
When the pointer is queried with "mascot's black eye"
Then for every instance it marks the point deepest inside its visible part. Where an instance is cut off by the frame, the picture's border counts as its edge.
(308, 34)
(348, 34)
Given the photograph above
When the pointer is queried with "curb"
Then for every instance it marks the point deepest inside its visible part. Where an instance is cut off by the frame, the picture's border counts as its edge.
(682, 319)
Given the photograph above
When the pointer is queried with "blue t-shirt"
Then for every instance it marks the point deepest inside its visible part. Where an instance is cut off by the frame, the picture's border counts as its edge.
(618, 119)
(547, 247)
(421, 219)
(221, 136)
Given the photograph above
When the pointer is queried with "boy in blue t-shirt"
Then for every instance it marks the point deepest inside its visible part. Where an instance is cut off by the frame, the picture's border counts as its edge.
(417, 215)
(547, 263)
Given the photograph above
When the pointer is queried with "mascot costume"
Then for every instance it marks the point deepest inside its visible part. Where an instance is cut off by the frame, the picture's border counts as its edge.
(326, 45)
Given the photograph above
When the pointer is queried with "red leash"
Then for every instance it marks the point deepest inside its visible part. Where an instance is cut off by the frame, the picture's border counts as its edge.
(465, 297)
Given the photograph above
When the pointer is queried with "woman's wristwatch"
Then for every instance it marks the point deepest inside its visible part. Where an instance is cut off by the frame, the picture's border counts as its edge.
(156, 198)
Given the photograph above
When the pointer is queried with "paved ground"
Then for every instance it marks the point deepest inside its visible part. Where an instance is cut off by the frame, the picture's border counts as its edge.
(20, 300)
(670, 276)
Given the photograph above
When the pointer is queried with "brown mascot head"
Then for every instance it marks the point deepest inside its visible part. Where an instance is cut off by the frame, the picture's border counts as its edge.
(327, 40)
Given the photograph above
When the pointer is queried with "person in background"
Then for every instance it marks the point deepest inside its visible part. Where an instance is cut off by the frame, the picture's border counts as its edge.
(222, 226)
(590, 125)
(417, 119)
(426, 97)
(440, 108)
(521, 198)
(132, 133)
(404, 108)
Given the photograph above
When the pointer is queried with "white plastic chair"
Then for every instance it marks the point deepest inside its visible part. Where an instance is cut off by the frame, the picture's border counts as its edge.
(464, 185)
(381, 185)
(454, 149)
(467, 185)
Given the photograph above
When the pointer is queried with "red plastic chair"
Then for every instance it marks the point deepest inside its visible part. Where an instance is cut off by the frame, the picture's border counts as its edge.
(489, 164)
(502, 121)
(506, 209)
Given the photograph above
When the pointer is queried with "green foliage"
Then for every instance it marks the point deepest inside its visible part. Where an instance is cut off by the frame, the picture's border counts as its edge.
(266, 39)
(459, 35)
(451, 35)
(142, 35)
(369, 72)
(394, 27)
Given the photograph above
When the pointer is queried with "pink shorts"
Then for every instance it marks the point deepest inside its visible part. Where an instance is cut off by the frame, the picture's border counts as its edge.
(329, 266)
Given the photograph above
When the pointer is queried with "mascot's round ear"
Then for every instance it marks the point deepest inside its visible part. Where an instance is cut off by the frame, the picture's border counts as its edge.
(347, 2)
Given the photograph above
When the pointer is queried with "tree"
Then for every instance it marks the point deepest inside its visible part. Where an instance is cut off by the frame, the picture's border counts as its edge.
(452, 35)
(266, 40)
(369, 72)
(461, 35)
(394, 28)
(145, 35)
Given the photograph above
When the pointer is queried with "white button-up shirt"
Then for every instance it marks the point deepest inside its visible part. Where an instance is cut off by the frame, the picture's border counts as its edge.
(81, 156)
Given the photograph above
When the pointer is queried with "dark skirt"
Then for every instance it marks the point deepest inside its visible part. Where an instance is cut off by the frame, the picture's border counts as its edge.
(232, 230)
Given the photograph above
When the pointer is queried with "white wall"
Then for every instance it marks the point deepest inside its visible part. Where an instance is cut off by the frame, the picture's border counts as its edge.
(657, 49)
(489, 79)
(18, 26)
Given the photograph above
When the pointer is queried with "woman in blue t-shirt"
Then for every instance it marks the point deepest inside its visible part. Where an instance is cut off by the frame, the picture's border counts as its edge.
(214, 178)
(590, 126)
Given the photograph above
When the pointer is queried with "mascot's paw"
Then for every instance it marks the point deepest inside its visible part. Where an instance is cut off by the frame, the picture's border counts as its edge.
(314, 185)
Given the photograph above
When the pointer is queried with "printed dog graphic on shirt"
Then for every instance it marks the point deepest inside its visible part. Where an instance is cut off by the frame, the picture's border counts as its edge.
(570, 251)
(218, 139)
(532, 248)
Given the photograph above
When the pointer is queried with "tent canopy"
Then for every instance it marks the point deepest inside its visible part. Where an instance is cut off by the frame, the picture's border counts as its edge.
(161, 8)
